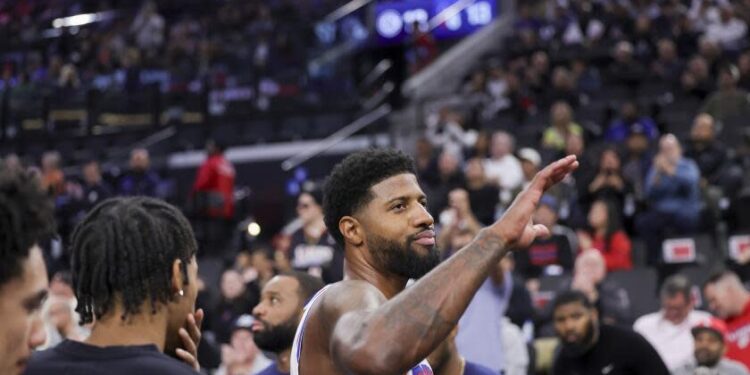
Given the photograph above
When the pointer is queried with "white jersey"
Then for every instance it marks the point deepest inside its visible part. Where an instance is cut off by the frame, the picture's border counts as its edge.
(423, 368)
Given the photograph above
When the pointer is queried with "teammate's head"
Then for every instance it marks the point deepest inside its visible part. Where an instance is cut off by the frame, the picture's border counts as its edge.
(280, 309)
(374, 206)
(576, 322)
(135, 256)
(725, 294)
(26, 217)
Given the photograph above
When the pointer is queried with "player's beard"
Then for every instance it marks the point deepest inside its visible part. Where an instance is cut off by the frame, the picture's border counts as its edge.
(276, 339)
(400, 259)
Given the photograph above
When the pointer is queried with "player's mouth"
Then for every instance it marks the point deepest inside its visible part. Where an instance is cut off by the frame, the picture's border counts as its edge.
(425, 238)
(257, 326)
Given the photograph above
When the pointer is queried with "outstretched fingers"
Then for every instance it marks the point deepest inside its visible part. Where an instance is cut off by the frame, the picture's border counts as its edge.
(544, 180)
(554, 173)
(515, 227)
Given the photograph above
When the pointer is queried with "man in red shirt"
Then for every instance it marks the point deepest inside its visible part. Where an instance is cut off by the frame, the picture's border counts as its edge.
(729, 300)
(215, 181)
(213, 198)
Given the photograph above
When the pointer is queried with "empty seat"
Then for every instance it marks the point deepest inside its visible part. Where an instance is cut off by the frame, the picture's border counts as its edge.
(705, 250)
(294, 128)
(698, 275)
(327, 124)
(259, 132)
(638, 252)
(640, 284)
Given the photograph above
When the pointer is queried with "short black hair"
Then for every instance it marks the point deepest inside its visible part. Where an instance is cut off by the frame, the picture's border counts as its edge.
(26, 218)
(571, 296)
(124, 249)
(677, 284)
(308, 284)
(348, 187)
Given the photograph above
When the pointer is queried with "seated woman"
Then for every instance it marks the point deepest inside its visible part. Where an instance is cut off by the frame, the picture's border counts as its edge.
(607, 236)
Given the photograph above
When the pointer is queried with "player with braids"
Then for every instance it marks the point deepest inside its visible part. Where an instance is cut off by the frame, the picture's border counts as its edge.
(107, 259)
(134, 274)
(26, 218)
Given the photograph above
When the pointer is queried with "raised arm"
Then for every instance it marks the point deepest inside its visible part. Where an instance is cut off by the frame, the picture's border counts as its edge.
(370, 335)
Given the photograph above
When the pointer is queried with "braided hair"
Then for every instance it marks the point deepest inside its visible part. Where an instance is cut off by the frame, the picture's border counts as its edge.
(123, 251)
(26, 218)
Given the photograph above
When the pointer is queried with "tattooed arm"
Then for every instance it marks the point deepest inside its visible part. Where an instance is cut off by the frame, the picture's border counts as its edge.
(366, 334)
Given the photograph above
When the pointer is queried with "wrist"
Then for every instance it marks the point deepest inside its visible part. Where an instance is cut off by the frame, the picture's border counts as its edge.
(489, 240)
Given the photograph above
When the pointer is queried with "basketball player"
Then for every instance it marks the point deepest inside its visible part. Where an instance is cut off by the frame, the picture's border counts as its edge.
(134, 272)
(368, 323)
(26, 218)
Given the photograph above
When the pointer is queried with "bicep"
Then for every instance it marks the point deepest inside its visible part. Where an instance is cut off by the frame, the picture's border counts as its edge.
(345, 311)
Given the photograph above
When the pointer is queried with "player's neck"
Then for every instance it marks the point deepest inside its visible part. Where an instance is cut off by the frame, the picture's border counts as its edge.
(282, 361)
(141, 329)
(357, 268)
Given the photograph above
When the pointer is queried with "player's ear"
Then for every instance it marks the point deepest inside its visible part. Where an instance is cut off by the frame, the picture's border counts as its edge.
(351, 230)
(177, 278)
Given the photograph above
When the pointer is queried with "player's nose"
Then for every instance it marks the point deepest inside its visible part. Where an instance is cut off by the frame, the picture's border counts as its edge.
(422, 218)
(258, 310)
(38, 334)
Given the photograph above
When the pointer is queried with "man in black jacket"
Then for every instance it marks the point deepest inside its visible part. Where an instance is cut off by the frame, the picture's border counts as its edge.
(590, 348)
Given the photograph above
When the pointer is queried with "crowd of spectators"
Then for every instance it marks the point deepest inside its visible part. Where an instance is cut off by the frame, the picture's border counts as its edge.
(175, 46)
(598, 79)
(650, 95)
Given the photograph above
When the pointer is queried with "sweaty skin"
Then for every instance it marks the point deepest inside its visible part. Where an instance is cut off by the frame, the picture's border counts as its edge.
(368, 323)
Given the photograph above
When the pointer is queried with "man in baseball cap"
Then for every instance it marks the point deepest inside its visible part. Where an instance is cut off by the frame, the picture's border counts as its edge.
(241, 356)
(710, 336)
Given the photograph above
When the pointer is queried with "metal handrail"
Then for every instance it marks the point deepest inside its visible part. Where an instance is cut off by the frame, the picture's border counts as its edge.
(149, 141)
(346, 10)
(378, 71)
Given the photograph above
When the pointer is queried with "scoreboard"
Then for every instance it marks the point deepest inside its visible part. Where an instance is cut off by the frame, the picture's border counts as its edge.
(394, 20)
